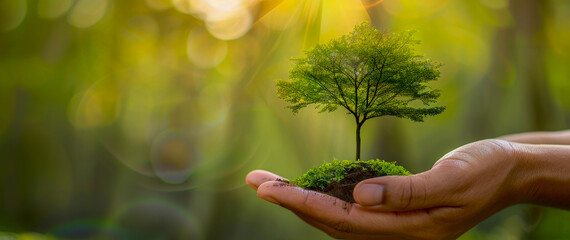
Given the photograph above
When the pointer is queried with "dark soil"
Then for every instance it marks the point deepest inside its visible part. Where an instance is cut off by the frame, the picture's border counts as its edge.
(344, 188)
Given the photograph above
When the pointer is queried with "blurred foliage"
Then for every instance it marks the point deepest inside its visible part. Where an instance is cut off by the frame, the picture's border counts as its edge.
(140, 119)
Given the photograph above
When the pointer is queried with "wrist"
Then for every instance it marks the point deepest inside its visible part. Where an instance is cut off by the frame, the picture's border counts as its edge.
(524, 173)
(540, 174)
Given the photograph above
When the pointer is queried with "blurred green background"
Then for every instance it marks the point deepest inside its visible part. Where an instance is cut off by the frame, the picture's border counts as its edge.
(140, 119)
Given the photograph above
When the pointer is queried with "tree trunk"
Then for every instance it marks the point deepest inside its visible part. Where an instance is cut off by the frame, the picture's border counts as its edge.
(358, 125)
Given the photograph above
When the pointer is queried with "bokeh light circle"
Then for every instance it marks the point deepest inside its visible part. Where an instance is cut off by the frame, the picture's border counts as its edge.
(53, 8)
(97, 106)
(12, 13)
(229, 25)
(183, 6)
(224, 19)
(86, 13)
(225, 5)
(204, 50)
(173, 156)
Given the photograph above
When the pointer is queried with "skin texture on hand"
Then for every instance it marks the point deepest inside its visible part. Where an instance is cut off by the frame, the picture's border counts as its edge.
(463, 188)
(544, 167)
(560, 137)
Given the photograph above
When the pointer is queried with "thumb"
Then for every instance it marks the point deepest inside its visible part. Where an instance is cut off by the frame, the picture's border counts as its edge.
(433, 188)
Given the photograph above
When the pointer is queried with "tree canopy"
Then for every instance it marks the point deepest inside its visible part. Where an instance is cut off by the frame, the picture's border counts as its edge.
(368, 73)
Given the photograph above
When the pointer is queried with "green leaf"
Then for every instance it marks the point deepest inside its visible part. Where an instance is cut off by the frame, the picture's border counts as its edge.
(366, 72)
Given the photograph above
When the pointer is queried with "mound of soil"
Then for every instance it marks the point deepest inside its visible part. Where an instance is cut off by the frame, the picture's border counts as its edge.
(344, 188)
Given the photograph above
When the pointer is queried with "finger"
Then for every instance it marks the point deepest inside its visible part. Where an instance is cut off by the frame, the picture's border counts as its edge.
(257, 177)
(560, 137)
(304, 201)
(434, 188)
(338, 214)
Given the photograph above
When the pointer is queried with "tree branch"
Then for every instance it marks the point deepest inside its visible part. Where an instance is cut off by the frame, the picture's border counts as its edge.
(330, 92)
(378, 83)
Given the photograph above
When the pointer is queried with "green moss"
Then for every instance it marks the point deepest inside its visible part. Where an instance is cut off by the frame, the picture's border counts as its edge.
(319, 177)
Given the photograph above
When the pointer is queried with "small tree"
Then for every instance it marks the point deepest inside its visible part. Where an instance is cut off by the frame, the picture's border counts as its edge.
(368, 73)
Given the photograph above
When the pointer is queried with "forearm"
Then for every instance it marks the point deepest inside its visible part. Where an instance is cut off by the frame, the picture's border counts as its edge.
(560, 137)
(543, 174)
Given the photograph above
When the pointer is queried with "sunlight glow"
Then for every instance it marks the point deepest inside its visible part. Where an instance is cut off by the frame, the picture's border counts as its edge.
(282, 16)
(339, 17)
(414, 9)
(231, 25)
(371, 3)
(224, 19)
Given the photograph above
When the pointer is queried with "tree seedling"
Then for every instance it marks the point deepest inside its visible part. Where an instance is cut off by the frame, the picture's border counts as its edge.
(370, 74)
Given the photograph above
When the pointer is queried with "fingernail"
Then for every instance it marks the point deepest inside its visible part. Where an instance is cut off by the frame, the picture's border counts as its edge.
(370, 194)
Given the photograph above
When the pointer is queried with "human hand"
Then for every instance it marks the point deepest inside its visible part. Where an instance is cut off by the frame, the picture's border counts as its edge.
(556, 137)
(464, 187)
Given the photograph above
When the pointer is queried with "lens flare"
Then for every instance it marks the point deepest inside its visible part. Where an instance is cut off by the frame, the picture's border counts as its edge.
(371, 3)
(212, 105)
(173, 157)
(97, 106)
(281, 16)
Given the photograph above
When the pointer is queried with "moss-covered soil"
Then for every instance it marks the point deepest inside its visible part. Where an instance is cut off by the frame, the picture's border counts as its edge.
(338, 178)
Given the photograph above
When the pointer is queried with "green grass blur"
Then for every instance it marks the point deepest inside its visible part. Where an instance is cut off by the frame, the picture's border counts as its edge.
(140, 119)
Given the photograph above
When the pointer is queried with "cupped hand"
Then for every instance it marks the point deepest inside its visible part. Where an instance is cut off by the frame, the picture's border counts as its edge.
(464, 187)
